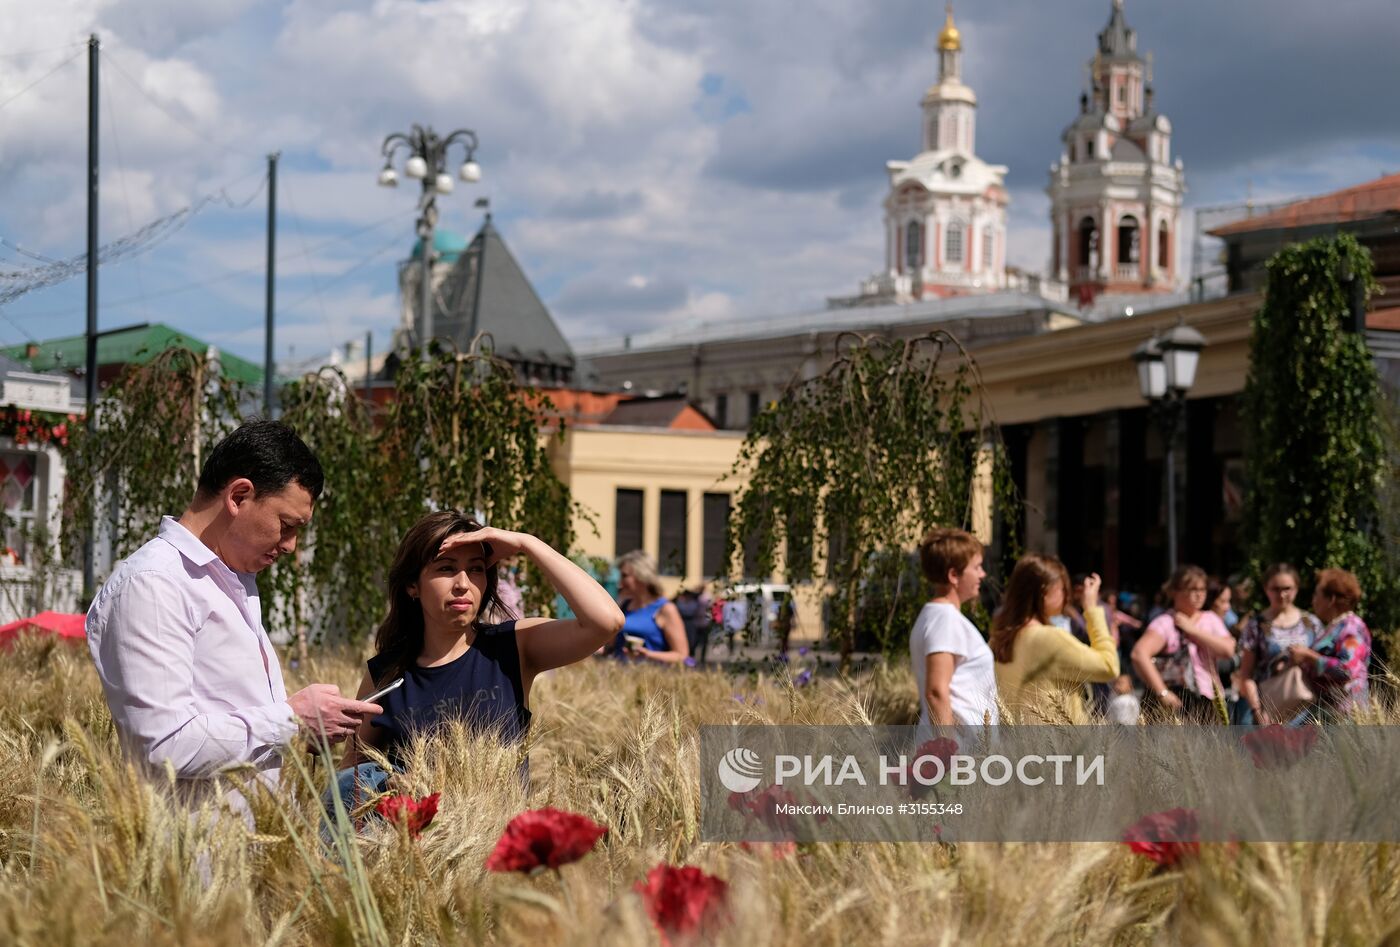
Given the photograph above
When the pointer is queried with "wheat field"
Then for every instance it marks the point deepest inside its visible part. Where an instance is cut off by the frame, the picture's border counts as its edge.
(90, 853)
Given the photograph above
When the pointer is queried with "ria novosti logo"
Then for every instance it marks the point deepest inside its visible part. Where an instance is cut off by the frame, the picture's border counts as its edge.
(740, 770)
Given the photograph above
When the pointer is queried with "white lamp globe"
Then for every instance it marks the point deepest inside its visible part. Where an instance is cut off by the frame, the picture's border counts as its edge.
(471, 171)
(416, 167)
(443, 183)
(387, 178)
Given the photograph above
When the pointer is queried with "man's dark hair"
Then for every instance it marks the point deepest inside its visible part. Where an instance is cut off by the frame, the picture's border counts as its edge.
(268, 453)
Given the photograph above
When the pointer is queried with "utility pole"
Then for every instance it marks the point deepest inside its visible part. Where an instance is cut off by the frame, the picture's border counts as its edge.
(269, 367)
(369, 351)
(94, 45)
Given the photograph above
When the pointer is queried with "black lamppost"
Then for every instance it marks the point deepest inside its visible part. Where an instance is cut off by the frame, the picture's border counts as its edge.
(427, 161)
(1166, 367)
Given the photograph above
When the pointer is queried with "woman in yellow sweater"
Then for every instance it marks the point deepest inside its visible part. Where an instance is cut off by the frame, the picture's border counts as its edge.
(1041, 669)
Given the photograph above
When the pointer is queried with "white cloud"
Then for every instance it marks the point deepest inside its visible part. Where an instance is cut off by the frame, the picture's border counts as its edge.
(648, 161)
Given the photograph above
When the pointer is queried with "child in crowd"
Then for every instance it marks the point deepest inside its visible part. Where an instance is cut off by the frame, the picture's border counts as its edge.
(1124, 706)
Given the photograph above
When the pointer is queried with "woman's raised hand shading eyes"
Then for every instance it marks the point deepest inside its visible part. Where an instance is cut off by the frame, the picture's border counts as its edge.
(498, 543)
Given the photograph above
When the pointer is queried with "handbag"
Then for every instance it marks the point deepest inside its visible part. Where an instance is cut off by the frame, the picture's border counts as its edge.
(1284, 692)
(1175, 667)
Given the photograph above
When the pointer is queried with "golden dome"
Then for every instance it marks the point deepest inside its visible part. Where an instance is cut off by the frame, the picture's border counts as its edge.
(950, 38)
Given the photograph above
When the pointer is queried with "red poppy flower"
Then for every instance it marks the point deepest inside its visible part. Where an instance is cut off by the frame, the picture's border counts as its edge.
(683, 900)
(943, 749)
(1165, 837)
(1278, 747)
(544, 838)
(764, 807)
(403, 809)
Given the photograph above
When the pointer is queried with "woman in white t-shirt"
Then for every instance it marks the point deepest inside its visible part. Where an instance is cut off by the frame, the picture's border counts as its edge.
(952, 663)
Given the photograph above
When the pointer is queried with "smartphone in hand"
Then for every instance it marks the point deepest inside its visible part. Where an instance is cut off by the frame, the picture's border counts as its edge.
(374, 698)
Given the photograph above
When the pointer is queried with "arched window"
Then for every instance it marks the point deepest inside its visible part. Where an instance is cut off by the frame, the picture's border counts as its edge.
(1164, 242)
(914, 245)
(954, 251)
(1129, 242)
(988, 247)
(1089, 243)
(1073, 153)
(933, 133)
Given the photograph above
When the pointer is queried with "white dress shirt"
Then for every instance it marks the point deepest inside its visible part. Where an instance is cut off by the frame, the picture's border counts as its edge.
(190, 675)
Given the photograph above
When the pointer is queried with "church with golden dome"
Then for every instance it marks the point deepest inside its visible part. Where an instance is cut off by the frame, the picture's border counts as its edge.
(945, 212)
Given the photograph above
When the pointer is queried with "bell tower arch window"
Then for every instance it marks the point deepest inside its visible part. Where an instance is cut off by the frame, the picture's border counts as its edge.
(1088, 243)
(954, 251)
(913, 245)
(1164, 243)
(1129, 240)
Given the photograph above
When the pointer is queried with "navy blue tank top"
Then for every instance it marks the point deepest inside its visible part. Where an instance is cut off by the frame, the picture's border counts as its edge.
(481, 688)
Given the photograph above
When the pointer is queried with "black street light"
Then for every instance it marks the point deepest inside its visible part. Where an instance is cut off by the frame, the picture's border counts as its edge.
(427, 161)
(1166, 367)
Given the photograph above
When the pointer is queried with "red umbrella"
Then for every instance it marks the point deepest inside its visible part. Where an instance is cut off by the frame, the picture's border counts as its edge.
(57, 624)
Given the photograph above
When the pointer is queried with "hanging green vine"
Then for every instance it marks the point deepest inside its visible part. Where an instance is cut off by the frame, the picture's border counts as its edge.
(1314, 450)
(884, 445)
(155, 424)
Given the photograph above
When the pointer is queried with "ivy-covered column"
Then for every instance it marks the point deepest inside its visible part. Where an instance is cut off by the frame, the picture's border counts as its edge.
(1315, 459)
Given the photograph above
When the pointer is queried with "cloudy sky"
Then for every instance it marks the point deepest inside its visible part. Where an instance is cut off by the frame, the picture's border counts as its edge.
(650, 162)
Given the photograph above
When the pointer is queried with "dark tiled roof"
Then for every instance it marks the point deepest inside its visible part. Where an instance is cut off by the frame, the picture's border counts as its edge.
(667, 411)
(647, 412)
(504, 304)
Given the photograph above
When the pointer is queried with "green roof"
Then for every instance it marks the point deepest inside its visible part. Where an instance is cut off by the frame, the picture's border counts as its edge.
(137, 344)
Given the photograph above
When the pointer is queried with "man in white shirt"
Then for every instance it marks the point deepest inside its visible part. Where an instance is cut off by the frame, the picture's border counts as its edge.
(951, 661)
(176, 632)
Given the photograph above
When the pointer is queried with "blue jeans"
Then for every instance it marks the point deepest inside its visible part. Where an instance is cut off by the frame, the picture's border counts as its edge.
(354, 786)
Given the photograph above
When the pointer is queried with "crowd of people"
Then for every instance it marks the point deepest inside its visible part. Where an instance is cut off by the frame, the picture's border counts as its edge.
(1057, 650)
(195, 686)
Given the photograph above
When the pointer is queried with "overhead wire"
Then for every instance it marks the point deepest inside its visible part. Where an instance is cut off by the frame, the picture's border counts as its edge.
(23, 53)
(122, 175)
(46, 75)
(15, 283)
(225, 275)
(26, 252)
(358, 264)
(18, 281)
(315, 285)
(223, 145)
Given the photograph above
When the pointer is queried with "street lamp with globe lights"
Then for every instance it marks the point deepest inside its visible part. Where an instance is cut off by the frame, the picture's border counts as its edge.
(426, 161)
(1166, 366)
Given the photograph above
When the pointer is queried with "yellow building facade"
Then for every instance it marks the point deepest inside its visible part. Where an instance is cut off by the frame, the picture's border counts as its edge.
(597, 461)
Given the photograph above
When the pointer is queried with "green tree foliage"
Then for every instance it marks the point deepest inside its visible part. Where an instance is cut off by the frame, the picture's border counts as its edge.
(1315, 455)
(870, 455)
(155, 424)
(459, 433)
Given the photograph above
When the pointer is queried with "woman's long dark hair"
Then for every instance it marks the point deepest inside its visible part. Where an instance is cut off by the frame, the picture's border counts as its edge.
(1032, 579)
(400, 635)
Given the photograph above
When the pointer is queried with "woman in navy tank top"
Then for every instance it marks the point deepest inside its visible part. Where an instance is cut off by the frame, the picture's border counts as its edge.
(455, 662)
